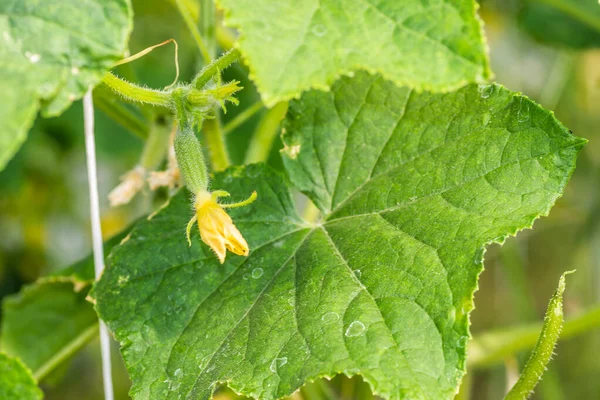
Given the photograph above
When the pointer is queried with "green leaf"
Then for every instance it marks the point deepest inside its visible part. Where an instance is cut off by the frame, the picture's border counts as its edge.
(570, 23)
(412, 187)
(49, 320)
(16, 382)
(50, 53)
(427, 45)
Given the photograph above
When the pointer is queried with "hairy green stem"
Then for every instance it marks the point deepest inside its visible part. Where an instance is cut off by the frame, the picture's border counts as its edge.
(134, 93)
(540, 357)
(120, 114)
(215, 67)
(267, 130)
(184, 9)
(242, 117)
(200, 96)
(215, 141)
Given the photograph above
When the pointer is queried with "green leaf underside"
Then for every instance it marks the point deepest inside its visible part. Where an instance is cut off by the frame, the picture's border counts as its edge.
(437, 45)
(50, 53)
(412, 187)
(51, 317)
(16, 382)
(571, 23)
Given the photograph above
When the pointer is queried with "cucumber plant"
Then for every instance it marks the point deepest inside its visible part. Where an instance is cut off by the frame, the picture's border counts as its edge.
(411, 159)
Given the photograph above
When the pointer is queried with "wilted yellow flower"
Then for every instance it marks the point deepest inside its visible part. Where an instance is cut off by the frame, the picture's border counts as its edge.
(216, 226)
(131, 183)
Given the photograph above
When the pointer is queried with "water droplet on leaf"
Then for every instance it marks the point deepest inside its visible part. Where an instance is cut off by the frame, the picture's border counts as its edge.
(356, 328)
(462, 342)
(319, 30)
(486, 91)
(257, 273)
(330, 317)
(278, 363)
(523, 112)
(176, 382)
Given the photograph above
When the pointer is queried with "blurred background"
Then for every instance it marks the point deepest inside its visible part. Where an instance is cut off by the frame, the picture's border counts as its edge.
(549, 50)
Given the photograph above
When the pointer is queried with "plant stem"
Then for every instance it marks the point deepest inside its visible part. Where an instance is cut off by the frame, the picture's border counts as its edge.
(184, 9)
(120, 114)
(88, 118)
(312, 391)
(540, 356)
(156, 146)
(215, 142)
(558, 77)
(73, 347)
(266, 131)
(225, 37)
(242, 117)
(208, 17)
(215, 67)
(326, 389)
(134, 93)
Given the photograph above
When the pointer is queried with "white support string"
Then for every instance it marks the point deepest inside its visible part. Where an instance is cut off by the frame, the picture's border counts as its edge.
(90, 147)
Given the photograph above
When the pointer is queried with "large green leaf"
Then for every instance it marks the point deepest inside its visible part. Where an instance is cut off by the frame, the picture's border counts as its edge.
(436, 44)
(571, 23)
(16, 382)
(49, 320)
(50, 53)
(412, 187)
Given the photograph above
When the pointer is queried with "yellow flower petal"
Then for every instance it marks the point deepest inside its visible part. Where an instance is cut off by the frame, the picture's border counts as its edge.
(217, 229)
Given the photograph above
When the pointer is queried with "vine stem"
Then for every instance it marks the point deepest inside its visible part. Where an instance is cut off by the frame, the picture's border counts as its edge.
(242, 117)
(208, 16)
(265, 134)
(97, 245)
(197, 96)
(105, 101)
(215, 142)
(135, 93)
(184, 9)
(215, 67)
(544, 348)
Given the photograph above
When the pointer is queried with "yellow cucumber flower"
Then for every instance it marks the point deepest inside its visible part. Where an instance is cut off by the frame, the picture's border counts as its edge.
(216, 226)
